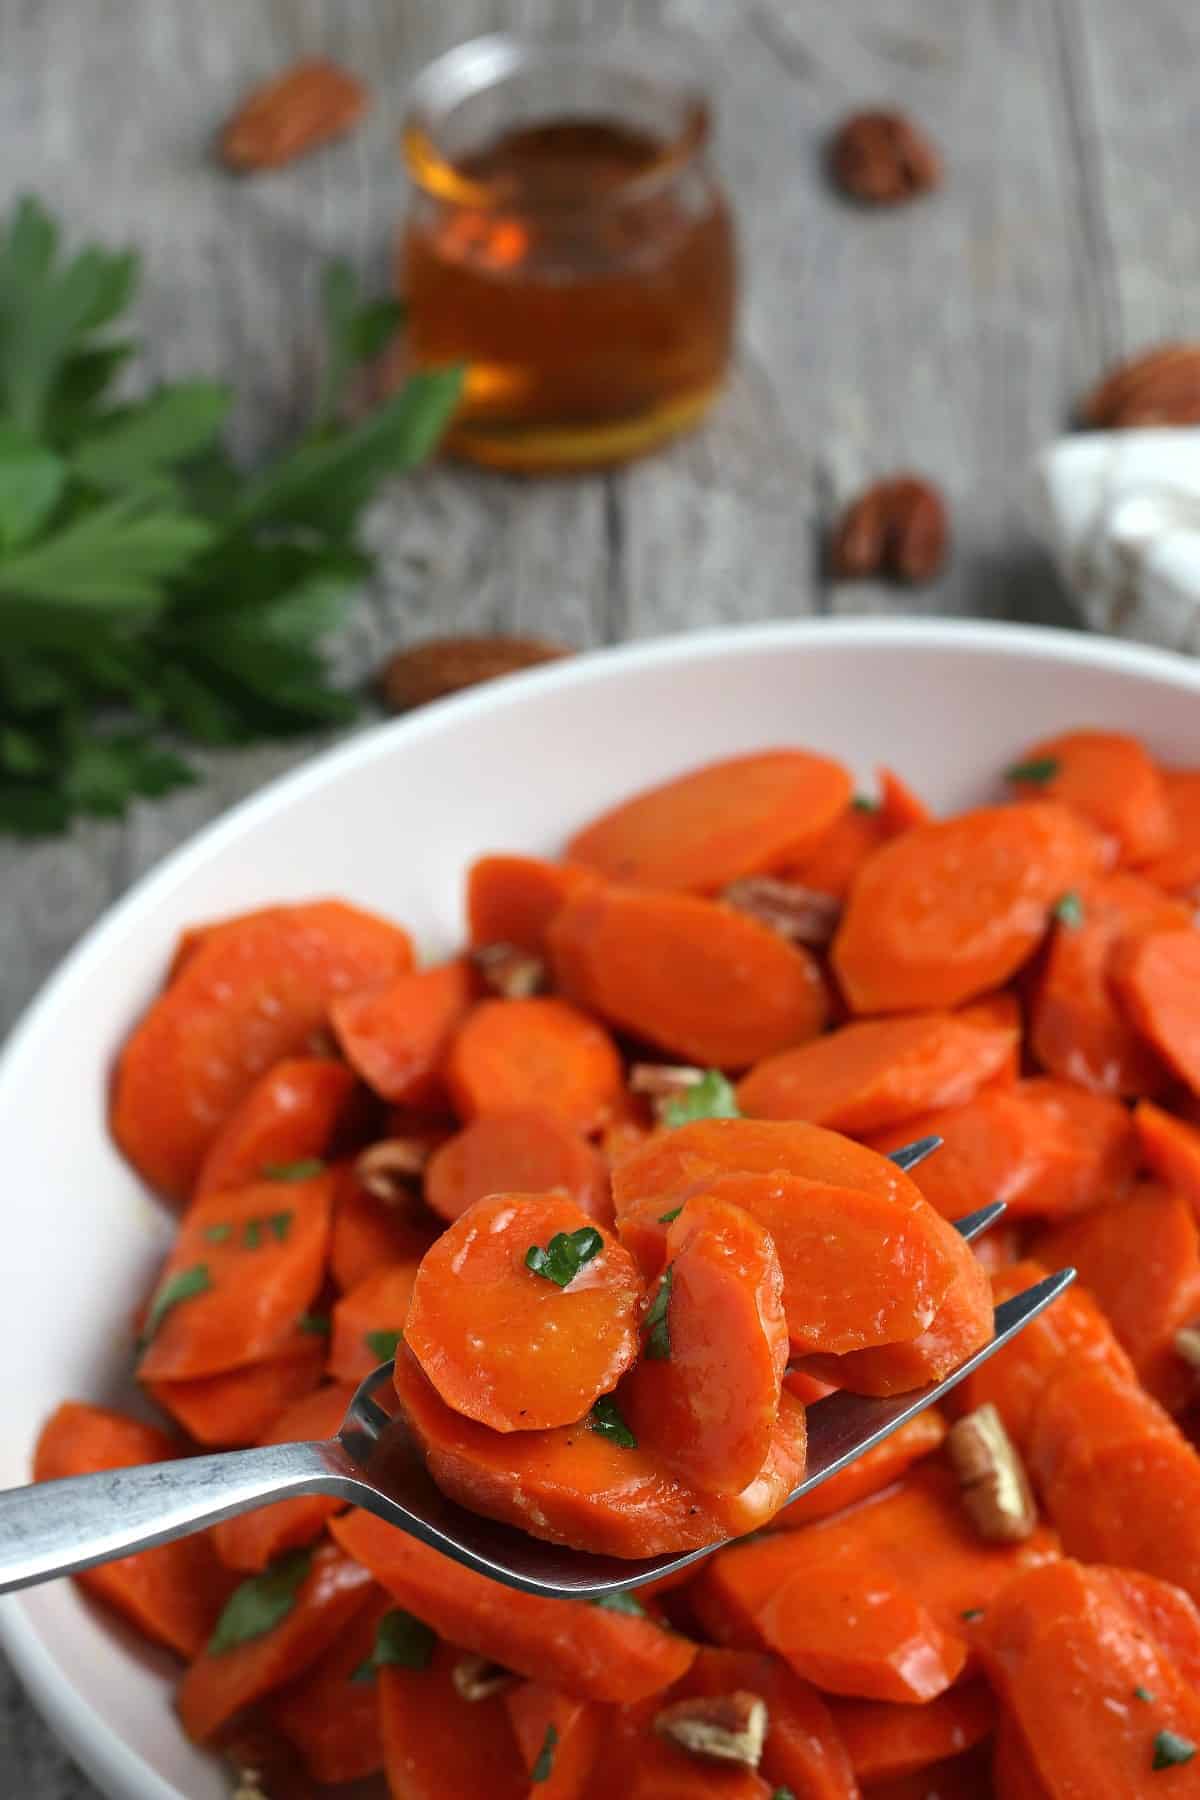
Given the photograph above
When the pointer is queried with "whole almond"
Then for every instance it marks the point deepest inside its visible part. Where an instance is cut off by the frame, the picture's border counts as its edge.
(441, 666)
(897, 528)
(1160, 387)
(308, 105)
(883, 159)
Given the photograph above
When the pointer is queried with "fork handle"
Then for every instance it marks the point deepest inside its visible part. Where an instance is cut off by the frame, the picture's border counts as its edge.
(57, 1527)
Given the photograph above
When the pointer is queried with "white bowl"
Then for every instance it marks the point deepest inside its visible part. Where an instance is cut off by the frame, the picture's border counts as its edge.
(390, 820)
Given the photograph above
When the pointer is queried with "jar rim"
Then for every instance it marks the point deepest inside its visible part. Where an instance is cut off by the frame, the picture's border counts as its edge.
(480, 63)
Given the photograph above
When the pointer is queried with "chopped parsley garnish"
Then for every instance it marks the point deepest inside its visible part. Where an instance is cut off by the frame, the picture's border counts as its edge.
(542, 1768)
(712, 1097)
(317, 1324)
(864, 803)
(1068, 910)
(783, 1794)
(565, 1254)
(401, 1641)
(252, 1234)
(657, 1324)
(219, 1233)
(629, 1604)
(1039, 770)
(605, 1419)
(184, 1285)
(258, 1605)
(1142, 1693)
(383, 1344)
(1170, 1750)
(972, 1613)
(304, 1170)
(280, 1224)
(670, 1217)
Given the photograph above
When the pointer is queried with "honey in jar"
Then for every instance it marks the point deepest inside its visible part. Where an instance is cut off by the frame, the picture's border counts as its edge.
(568, 243)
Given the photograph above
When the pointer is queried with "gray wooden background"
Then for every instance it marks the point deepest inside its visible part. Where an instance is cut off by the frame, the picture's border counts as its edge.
(951, 336)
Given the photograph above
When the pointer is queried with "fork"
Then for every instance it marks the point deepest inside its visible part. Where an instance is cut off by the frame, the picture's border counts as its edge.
(59, 1527)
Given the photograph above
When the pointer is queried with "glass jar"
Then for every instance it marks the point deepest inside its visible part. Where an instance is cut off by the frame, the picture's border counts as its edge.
(568, 242)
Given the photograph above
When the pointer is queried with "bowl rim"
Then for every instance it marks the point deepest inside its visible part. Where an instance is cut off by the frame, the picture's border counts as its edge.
(91, 1740)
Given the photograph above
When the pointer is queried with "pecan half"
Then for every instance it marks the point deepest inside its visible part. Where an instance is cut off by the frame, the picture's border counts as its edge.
(440, 666)
(883, 159)
(390, 1168)
(995, 1488)
(725, 1727)
(509, 971)
(800, 914)
(898, 527)
(308, 105)
(1160, 387)
(1187, 1345)
(476, 1678)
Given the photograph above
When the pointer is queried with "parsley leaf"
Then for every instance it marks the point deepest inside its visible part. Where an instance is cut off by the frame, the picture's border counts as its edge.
(1170, 1750)
(383, 1344)
(782, 1794)
(607, 1421)
(1142, 1693)
(1068, 910)
(543, 1767)
(279, 1224)
(972, 1613)
(1039, 770)
(261, 1603)
(316, 1324)
(401, 1642)
(710, 1098)
(565, 1254)
(657, 1324)
(185, 1284)
(219, 1233)
(864, 803)
(304, 1170)
(620, 1603)
(669, 1218)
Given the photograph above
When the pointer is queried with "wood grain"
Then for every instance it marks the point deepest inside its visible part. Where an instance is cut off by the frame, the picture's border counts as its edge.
(950, 337)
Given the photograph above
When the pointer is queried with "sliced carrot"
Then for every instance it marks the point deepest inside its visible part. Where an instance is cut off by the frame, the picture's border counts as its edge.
(962, 1324)
(874, 1471)
(947, 911)
(575, 1730)
(664, 1772)
(527, 1151)
(1077, 1029)
(249, 1541)
(369, 1233)
(512, 899)
(1014, 1775)
(1170, 1617)
(172, 1594)
(248, 995)
(1140, 1260)
(964, 1777)
(220, 1684)
(1108, 778)
(886, 1741)
(629, 1125)
(290, 1115)
(511, 1347)
(706, 828)
(332, 1714)
(900, 808)
(517, 1053)
(438, 1746)
(1177, 870)
(589, 1651)
(1158, 978)
(397, 1035)
(1000, 1010)
(233, 1409)
(867, 1075)
(834, 860)
(245, 1266)
(803, 1750)
(369, 1321)
(1170, 1149)
(695, 978)
(580, 1486)
(706, 1398)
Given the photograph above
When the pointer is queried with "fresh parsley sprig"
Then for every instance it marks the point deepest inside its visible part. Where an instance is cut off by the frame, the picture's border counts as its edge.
(566, 1253)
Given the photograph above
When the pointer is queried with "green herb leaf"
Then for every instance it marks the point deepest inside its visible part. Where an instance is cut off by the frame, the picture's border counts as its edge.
(1170, 1750)
(357, 333)
(626, 1603)
(710, 1098)
(305, 1170)
(252, 1234)
(1039, 771)
(605, 1419)
(383, 1344)
(185, 1284)
(31, 481)
(657, 1324)
(402, 1642)
(219, 1233)
(864, 803)
(316, 1324)
(280, 1224)
(1143, 1693)
(782, 1794)
(142, 441)
(1068, 910)
(669, 1218)
(108, 565)
(972, 1613)
(565, 1254)
(543, 1767)
(261, 1603)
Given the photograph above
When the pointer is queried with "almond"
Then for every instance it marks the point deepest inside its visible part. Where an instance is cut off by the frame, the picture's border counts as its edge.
(898, 527)
(309, 104)
(1160, 387)
(441, 666)
(883, 159)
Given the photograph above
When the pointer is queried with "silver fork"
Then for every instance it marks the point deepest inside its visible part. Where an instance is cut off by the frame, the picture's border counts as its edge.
(59, 1527)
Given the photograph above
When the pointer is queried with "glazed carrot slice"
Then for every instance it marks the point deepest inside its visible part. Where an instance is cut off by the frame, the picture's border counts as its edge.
(664, 1772)
(1140, 1260)
(1177, 870)
(248, 995)
(221, 1682)
(588, 1651)
(1064, 1652)
(886, 1463)
(886, 1742)
(172, 1594)
(245, 1266)
(368, 1322)
(512, 899)
(583, 1486)
(803, 1750)
(1014, 1776)
(1000, 1010)
(1110, 779)
(249, 1541)
(706, 828)
(290, 1115)
(233, 1409)
(516, 1053)
(332, 1714)
(962, 1324)
(695, 978)
(705, 1395)
(527, 1151)
(1077, 1029)
(947, 911)
(516, 1349)
(396, 1036)
(899, 807)
(867, 1075)
(438, 1746)
(1158, 978)
(575, 1730)
(368, 1233)
(964, 1777)
(1170, 1617)
(1170, 1149)
(834, 860)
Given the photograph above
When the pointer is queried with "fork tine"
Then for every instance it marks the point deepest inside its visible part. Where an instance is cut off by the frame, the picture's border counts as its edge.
(909, 1155)
(976, 1223)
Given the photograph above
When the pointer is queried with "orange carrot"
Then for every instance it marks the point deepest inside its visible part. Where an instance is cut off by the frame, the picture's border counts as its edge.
(664, 1772)
(1109, 779)
(574, 1730)
(589, 1651)
(396, 1036)
(947, 911)
(1170, 1149)
(706, 828)
(834, 860)
(886, 1741)
(512, 899)
(1014, 1775)
(290, 1115)
(1158, 978)
(245, 1266)
(1177, 870)
(438, 1746)
(249, 1541)
(803, 1750)
(697, 979)
(518, 1053)
(332, 1714)
(367, 1232)
(964, 1777)
(248, 995)
(867, 1075)
(513, 1347)
(368, 1322)
(1169, 1617)
(527, 1151)
(1000, 1010)
(899, 807)
(233, 1409)
(172, 1594)
(962, 1324)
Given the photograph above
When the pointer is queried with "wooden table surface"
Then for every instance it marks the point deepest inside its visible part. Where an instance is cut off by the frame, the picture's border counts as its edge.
(951, 336)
